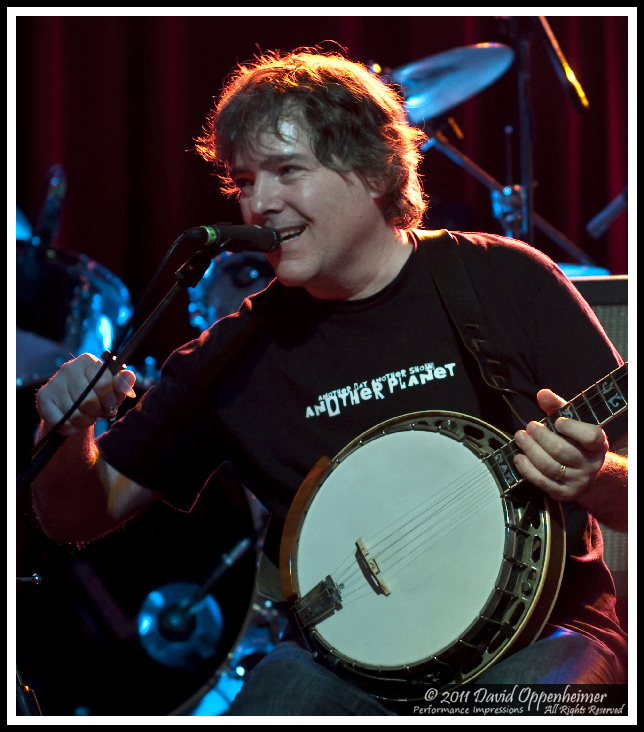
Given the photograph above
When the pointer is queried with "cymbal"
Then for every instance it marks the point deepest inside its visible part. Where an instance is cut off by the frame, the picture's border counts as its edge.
(23, 227)
(442, 81)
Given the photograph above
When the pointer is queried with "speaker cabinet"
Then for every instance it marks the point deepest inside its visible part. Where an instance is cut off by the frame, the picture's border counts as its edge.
(608, 297)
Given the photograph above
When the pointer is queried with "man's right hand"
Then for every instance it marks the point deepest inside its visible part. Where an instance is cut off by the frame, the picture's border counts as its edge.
(61, 391)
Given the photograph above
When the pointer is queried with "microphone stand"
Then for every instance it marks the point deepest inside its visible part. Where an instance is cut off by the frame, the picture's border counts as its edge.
(568, 80)
(187, 276)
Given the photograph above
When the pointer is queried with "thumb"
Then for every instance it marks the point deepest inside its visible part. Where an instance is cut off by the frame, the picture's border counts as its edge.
(549, 401)
(123, 383)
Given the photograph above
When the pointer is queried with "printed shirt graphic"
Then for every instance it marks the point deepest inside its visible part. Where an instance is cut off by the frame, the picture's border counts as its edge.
(378, 388)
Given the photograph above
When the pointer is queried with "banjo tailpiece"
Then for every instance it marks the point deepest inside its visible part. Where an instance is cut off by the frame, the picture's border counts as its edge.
(320, 603)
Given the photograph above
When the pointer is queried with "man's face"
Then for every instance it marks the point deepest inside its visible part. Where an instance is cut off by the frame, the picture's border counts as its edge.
(333, 217)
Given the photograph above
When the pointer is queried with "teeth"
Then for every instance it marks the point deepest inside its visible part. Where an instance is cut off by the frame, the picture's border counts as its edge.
(291, 233)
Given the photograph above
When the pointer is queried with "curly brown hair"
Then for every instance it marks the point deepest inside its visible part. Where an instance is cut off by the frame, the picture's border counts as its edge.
(354, 121)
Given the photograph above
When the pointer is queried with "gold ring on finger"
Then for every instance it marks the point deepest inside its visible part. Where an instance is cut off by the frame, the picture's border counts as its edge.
(561, 472)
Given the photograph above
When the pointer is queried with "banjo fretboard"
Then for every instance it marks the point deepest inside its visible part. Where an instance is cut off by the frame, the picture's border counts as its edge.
(598, 404)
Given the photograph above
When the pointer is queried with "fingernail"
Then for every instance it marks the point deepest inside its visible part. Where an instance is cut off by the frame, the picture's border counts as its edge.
(519, 438)
(125, 387)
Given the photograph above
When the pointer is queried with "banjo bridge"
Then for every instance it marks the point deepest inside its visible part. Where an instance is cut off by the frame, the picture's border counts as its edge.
(371, 566)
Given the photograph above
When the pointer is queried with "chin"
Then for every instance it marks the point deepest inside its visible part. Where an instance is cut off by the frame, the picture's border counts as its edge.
(291, 276)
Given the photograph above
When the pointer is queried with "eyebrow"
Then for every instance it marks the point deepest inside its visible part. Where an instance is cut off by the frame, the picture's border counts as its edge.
(269, 161)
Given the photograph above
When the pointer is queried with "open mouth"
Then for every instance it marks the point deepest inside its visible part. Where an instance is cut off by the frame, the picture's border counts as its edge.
(291, 233)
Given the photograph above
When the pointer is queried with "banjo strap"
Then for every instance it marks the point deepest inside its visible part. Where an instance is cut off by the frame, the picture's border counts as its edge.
(459, 297)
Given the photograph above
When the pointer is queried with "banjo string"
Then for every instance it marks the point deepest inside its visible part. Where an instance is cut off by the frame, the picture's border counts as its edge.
(446, 492)
(452, 492)
(430, 540)
(429, 530)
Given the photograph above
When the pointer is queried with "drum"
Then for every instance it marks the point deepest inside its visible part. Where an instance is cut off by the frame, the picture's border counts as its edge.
(66, 304)
(230, 279)
(78, 638)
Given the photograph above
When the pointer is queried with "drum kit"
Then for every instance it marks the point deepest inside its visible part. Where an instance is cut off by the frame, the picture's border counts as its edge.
(68, 303)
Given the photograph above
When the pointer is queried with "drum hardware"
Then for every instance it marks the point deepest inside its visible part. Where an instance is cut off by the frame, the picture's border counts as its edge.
(440, 82)
(48, 221)
(66, 304)
(260, 633)
(180, 624)
(35, 579)
(187, 276)
(439, 142)
(228, 281)
(600, 223)
(26, 701)
(521, 31)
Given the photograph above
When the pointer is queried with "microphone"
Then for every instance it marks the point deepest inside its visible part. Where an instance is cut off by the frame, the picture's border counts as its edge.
(236, 238)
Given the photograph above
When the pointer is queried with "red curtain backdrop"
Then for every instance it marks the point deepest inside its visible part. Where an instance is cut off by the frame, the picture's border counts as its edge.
(118, 102)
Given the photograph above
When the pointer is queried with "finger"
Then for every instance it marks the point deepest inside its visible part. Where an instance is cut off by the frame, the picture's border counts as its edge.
(51, 414)
(101, 398)
(110, 390)
(591, 437)
(537, 458)
(558, 490)
(548, 450)
(124, 383)
(56, 398)
(549, 402)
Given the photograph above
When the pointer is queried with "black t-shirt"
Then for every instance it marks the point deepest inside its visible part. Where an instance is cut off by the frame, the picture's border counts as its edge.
(290, 378)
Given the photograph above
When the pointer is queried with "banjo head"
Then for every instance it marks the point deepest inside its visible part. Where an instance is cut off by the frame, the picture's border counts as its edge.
(411, 525)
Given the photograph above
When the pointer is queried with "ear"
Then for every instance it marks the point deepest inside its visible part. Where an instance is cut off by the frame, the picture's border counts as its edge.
(375, 186)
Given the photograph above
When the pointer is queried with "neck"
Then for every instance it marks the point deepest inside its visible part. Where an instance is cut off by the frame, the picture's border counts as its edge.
(380, 264)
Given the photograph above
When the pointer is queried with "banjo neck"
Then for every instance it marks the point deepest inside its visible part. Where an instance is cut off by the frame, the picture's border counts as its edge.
(599, 404)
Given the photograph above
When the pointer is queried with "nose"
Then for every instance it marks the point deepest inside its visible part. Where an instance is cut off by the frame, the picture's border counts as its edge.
(265, 199)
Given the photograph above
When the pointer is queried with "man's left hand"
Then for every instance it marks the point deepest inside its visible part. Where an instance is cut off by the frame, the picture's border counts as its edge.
(579, 446)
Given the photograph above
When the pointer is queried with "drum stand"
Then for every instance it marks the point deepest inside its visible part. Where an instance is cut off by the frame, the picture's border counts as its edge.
(514, 205)
(26, 702)
(509, 207)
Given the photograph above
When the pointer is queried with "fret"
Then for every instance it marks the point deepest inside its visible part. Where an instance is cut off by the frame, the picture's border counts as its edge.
(501, 463)
(621, 383)
(549, 422)
(568, 410)
(583, 410)
(608, 397)
(596, 405)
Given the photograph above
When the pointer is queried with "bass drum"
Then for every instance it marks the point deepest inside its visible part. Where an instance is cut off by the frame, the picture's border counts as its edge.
(66, 304)
(229, 280)
(78, 642)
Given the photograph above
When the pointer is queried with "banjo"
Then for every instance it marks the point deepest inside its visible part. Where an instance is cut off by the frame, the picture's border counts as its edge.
(418, 556)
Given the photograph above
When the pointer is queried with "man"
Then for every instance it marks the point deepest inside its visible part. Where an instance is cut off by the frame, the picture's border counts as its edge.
(319, 149)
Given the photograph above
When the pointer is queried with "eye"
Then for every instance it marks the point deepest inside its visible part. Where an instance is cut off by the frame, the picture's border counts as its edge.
(243, 184)
(287, 170)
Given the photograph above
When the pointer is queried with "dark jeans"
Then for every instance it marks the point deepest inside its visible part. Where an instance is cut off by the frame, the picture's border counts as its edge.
(289, 682)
